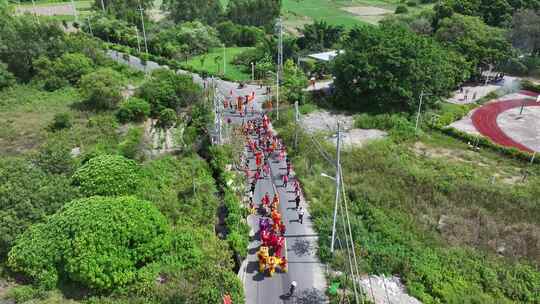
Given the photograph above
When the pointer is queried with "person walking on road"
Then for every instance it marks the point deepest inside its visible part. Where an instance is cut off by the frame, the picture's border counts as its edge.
(292, 289)
(297, 200)
(285, 180)
(301, 215)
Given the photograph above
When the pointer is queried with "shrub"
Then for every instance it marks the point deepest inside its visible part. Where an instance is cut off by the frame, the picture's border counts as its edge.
(132, 143)
(402, 9)
(134, 109)
(167, 118)
(65, 70)
(166, 89)
(528, 85)
(108, 175)
(27, 196)
(412, 3)
(55, 157)
(7, 79)
(102, 89)
(100, 242)
(60, 121)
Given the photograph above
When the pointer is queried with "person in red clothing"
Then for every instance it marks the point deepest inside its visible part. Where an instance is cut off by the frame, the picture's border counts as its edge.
(285, 180)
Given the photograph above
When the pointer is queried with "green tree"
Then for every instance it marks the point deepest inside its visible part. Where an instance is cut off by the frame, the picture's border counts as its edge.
(64, 70)
(167, 118)
(526, 31)
(479, 43)
(191, 38)
(207, 11)
(108, 175)
(102, 89)
(319, 36)
(134, 109)
(100, 242)
(387, 68)
(27, 196)
(23, 40)
(294, 82)
(166, 89)
(54, 157)
(125, 9)
(7, 79)
(254, 12)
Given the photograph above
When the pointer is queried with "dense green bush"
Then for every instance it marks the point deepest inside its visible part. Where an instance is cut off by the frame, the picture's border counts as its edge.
(131, 146)
(99, 242)
(108, 175)
(60, 121)
(528, 85)
(166, 89)
(102, 89)
(238, 35)
(401, 9)
(54, 157)
(62, 71)
(399, 126)
(167, 118)
(133, 109)
(27, 196)
(7, 79)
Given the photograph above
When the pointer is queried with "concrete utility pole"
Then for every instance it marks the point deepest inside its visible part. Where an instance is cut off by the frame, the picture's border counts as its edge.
(422, 94)
(279, 62)
(75, 11)
(296, 119)
(338, 184)
(102, 5)
(138, 40)
(90, 26)
(141, 10)
(252, 72)
(224, 60)
(35, 12)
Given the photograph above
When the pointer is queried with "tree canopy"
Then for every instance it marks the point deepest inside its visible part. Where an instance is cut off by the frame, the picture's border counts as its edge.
(207, 11)
(100, 242)
(254, 12)
(387, 68)
(102, 89)
(27, 196)
(166, 89)
(479, 43)
(127, 10)
(319, 36)
(526, 31)
(108, 175)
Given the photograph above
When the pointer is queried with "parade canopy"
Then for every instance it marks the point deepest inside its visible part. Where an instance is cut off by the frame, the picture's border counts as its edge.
(326, 56)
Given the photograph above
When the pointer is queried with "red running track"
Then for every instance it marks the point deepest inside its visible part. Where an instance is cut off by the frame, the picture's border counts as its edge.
(485, 121)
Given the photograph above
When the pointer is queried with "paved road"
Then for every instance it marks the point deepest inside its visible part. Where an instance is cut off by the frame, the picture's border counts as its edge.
(301, 239)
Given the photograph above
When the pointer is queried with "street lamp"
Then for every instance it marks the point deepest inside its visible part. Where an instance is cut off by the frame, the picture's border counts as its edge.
(253, 72)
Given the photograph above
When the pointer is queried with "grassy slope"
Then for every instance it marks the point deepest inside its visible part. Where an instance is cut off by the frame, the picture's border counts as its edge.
(399, 196)
(216, 67)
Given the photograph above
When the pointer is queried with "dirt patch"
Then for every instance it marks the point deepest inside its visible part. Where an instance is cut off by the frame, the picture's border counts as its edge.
(370, 14)
(324, 121)
(49, 10)
(382, 289)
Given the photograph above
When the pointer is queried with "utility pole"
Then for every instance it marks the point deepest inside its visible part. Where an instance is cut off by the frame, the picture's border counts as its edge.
(102, 6)
(224, 61)
(75, 11)
(252, 72)
(138, 40)
(141, 10)
(419, 109)
(296, 118)
(279, 62)
(338, 183)
(35, 12)
(90, 26)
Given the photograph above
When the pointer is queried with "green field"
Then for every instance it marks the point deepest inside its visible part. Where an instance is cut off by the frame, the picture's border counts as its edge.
(212, 63)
